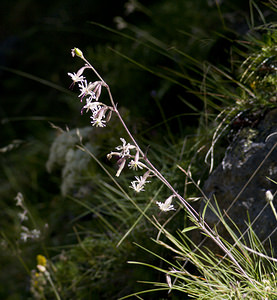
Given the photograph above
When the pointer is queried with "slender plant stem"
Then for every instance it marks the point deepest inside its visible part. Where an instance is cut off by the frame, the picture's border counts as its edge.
(52, 285)
(191, 211)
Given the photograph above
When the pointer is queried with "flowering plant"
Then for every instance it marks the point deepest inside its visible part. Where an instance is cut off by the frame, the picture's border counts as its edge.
(91, 92)
(136, 158)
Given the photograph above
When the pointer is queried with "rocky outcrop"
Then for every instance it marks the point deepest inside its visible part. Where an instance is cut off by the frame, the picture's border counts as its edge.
(240, 182)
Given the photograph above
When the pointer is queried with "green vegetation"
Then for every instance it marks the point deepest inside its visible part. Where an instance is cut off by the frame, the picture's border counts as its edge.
(184, 78)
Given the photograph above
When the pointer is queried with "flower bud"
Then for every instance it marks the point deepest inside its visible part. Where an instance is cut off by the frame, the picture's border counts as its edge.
(109, 116)
(168, 280)
(77, 52)
(268, 196)
(121, 162)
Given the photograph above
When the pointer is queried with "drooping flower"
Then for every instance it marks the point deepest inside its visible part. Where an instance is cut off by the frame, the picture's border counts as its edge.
(135, 164)
(23, 216)
(123, 153)
(35, 234)
(98, 115)
(97, 89)
(75, 78)
(166, 206)
(86, 90)
(19, 200)
(125, 148)
(29, 234)
(90, 105)
(24, 236)
(138, 184)
(97, 122)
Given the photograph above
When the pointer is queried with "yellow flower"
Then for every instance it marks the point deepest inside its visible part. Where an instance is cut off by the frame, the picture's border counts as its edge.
(253, 84)
(41, 260)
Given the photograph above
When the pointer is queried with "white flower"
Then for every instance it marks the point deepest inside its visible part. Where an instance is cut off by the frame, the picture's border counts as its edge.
(24, 236)
(138, 184)
(41, 268)
(90, 105)
(167, 205)
(135, 164)
(35, 234)
(85, 90)
(123, 154)
(130, 6)
(19, 199)
(97, 89)
(125, 148)
(98, 113)
(120, 23)
(76, 77)
(97, 122)
(23, 216)
(31, 234)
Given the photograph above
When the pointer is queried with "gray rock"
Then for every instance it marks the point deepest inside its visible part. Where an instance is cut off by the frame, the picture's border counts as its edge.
(241, 181)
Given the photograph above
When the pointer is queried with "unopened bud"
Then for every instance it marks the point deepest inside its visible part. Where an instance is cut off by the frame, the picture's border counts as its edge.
(77, 52)
(168, 280)
(268, 196)
(109, 116)
(121, 162)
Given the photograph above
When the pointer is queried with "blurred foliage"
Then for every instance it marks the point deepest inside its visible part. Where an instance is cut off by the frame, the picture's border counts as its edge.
(153, 54)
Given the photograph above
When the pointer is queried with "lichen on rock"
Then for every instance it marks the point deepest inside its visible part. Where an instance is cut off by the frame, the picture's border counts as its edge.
(241, 179)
